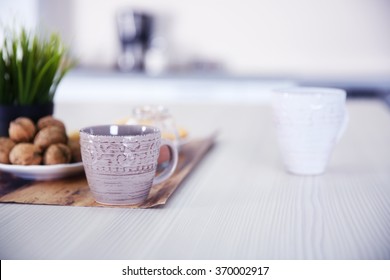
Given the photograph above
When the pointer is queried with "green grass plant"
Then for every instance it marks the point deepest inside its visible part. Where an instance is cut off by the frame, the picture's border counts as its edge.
(31, 67)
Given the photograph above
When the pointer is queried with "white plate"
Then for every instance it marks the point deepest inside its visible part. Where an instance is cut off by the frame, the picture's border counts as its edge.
(43, 172)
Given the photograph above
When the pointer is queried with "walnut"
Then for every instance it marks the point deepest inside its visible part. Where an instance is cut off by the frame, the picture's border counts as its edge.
(6, 146)
(25, 154)
(56, 154)
(75, 149)
(50, 135)
(22, 130)
(50, 121)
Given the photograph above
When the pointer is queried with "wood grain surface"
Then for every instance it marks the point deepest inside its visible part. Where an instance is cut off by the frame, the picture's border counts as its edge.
(74, 191)
(238, 203)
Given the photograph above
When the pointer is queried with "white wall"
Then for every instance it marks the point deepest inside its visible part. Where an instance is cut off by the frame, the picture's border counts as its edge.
(301, 37)
(22, 12)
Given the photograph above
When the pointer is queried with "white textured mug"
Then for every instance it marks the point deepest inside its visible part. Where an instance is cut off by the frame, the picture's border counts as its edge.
(120, 162)
(309, 122)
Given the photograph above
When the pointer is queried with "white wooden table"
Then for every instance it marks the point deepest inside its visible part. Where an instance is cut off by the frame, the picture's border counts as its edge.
(239, 203)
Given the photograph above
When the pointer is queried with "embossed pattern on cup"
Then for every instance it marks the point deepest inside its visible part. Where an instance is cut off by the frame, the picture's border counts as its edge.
(309, 122)
(120, 164)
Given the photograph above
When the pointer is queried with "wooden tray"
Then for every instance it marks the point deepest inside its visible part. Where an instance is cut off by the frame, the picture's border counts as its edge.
(74, 191)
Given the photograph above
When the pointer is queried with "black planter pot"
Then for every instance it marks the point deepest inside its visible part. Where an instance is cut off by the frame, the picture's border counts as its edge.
(10, 112)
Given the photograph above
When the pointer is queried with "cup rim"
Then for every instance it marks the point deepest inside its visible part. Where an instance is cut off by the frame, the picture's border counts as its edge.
(112, 130)
(308, 90)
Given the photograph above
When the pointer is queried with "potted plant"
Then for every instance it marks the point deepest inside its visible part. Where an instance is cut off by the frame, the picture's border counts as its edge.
(31, 67)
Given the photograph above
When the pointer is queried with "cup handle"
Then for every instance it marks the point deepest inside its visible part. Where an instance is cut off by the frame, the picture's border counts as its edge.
(168, 171)
(343, 125)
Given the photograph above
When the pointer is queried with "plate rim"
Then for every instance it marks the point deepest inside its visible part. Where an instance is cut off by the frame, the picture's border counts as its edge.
(43, 172)
(26, 168)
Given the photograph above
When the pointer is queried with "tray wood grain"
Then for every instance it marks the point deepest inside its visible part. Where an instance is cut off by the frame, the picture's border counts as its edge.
(74, 191)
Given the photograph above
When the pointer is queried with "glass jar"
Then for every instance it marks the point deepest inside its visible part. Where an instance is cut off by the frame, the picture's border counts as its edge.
(158, 116)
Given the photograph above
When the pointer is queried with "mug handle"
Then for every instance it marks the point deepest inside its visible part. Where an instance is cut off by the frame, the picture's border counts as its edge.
(343, 125)
(168, 171)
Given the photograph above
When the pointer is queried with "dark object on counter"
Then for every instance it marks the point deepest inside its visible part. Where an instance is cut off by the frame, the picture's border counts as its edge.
(363, 92)
(380, 93)
(135, 31)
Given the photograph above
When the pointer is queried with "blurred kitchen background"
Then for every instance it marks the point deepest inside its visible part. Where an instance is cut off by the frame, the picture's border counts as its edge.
(323, 42)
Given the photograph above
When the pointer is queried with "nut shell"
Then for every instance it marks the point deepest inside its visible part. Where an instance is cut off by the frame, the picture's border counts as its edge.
(25, 154)
(50, 121)
(57, 154)
(6, 145)
(48, 136)
(22, 130)
(75, 149)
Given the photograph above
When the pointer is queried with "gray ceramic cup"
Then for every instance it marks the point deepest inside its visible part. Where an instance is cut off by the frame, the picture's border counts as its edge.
(120, 162)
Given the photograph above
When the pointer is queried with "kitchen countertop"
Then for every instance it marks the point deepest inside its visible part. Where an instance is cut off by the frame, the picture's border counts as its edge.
(239, 203)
